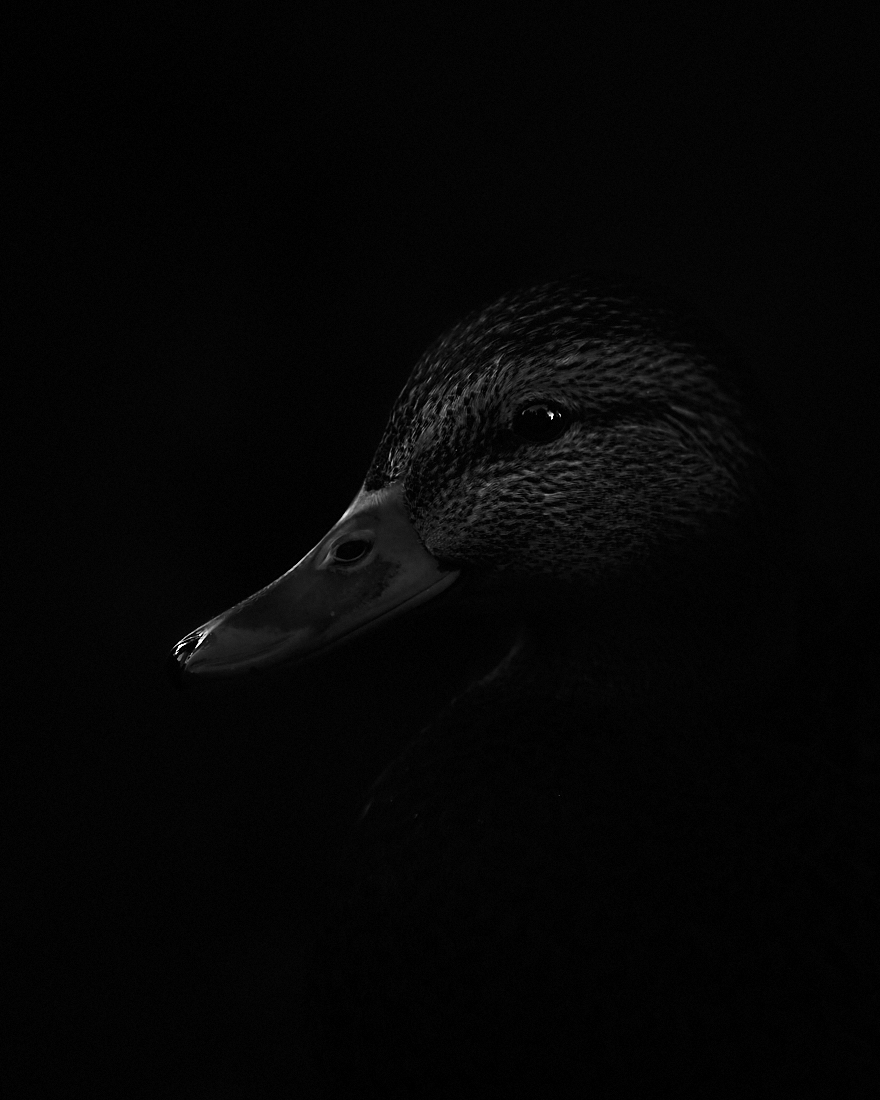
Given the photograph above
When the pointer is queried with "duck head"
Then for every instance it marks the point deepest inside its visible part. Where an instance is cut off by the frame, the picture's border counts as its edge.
(572, 435)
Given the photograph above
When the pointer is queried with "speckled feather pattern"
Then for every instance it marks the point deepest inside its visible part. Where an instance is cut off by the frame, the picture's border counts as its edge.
(660, 443)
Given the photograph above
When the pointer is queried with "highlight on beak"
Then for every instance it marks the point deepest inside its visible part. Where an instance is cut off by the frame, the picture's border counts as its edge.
(369, 567)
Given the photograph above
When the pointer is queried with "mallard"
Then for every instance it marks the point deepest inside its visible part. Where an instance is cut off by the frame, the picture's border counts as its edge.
(618, 859)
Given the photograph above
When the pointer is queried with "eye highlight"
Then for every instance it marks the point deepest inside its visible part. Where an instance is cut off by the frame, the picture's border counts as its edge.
(540, 422)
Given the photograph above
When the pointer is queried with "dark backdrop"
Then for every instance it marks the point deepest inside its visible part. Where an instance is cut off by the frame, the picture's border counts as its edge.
(239, 232)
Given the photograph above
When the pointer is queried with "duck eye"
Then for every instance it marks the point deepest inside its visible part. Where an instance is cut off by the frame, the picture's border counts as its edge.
(347, 553)
(540, 422)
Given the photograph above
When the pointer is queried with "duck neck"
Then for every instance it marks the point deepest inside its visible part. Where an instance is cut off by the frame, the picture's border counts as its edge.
(682, 646)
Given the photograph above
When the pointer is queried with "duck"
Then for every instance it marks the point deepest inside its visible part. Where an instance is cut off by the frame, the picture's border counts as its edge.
(621, 859)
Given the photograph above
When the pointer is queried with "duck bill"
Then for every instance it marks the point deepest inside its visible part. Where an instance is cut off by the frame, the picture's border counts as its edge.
(368, 568)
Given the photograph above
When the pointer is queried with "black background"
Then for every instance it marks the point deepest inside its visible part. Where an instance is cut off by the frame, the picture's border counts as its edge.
(239, 232)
